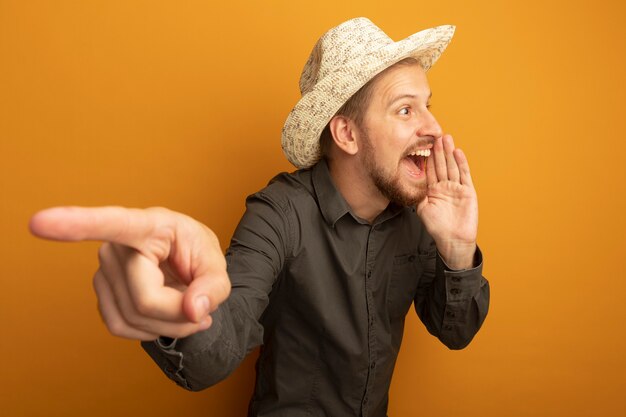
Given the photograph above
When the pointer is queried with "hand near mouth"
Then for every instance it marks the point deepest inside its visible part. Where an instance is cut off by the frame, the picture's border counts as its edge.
(450, 209)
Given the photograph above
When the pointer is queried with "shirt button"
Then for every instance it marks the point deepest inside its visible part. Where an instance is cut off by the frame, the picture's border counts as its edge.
(456, 279)
(447, 327)
(369, 274)
(365, 400)
(411, 258)
(373, 365)
(455, 291)
(450, 313)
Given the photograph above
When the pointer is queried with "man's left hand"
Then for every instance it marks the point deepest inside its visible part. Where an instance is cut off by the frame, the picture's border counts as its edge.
(450, 209)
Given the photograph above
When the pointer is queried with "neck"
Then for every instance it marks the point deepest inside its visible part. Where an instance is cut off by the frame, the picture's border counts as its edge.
(357, 188)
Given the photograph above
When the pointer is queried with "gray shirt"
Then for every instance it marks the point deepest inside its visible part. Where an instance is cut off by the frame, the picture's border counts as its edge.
(325, 294)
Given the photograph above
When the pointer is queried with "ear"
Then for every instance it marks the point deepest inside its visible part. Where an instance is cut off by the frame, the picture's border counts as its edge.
(344, 134)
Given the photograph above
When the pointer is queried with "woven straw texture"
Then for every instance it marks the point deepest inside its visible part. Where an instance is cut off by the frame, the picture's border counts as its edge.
(343, 60)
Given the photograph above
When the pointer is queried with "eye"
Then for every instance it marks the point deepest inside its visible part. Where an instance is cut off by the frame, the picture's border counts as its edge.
(404, 111)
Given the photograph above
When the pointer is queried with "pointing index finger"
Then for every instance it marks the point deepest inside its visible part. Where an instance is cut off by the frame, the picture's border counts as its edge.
(112, 224)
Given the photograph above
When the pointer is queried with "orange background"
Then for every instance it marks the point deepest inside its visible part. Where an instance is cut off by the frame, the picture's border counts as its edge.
(180, 104)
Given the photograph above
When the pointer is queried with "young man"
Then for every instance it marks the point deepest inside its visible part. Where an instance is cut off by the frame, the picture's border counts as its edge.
(326, 261)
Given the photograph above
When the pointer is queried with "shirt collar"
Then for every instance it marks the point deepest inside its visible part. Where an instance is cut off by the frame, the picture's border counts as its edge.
(332, 204)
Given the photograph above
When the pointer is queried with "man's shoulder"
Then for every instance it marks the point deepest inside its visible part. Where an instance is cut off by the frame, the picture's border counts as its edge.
(289, 188)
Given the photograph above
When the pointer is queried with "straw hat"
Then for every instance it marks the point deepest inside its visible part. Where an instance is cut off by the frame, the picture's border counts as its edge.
(343, 60)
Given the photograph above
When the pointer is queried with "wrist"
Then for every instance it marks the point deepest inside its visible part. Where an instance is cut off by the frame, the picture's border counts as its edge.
(457, 255)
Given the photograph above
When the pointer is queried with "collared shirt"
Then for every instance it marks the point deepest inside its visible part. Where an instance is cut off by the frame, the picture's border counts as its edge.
(325, 294)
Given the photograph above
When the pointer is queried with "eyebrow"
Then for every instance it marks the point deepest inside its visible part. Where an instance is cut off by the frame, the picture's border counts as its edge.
(411, 96)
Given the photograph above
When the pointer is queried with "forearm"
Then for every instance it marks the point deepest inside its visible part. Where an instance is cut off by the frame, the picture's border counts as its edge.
(254, 259)
(206, 358)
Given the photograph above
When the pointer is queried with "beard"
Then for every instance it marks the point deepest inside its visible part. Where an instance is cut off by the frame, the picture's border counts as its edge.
(390, 185)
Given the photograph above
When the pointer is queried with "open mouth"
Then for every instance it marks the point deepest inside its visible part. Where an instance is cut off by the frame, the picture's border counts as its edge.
(416, 161)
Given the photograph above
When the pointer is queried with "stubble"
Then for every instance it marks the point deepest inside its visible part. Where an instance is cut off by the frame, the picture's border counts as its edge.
(390, 185)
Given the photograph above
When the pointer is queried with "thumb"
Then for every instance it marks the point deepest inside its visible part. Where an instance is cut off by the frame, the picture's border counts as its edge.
(205, 293)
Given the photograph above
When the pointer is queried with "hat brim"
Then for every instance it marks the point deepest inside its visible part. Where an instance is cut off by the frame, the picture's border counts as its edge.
(305, 123)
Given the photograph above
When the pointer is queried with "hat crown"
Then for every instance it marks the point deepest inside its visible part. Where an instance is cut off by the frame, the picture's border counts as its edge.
(350, 40)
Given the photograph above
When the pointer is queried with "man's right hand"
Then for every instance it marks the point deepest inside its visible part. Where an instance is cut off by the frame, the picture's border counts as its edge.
(161, 273)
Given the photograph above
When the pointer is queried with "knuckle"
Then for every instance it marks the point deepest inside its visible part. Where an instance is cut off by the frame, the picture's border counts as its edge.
(116, 327)
(145, 305)
(163, 222)
(100, 286)
(96, 282)
(104, 252)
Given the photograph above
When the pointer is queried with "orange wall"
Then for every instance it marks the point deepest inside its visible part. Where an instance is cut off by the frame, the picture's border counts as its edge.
(180, 104)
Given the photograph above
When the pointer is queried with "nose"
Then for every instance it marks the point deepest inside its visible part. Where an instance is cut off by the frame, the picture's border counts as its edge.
(428, 126)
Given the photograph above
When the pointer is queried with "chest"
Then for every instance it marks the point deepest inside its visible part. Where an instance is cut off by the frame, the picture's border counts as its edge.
(352, 269)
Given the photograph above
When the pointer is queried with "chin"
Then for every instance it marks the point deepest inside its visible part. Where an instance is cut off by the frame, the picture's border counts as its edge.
(404, 196)
(412, 199)
(395, 188)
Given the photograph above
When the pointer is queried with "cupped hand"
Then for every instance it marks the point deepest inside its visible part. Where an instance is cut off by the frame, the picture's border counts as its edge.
(161, 273)
(450, 209)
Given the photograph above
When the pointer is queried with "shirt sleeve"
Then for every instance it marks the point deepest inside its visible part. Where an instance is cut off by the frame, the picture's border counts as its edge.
(452, 304)
(254, 260)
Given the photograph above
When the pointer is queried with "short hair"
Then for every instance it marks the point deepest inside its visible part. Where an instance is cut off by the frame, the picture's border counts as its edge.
(356, 106)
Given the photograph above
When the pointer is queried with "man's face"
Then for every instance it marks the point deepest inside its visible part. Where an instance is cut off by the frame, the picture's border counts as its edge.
(397, 127)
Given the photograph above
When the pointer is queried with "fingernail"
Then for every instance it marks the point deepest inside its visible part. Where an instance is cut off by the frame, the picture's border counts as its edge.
(202, 306)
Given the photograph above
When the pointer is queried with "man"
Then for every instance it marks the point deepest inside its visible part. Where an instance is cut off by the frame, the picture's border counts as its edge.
(326, 261)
